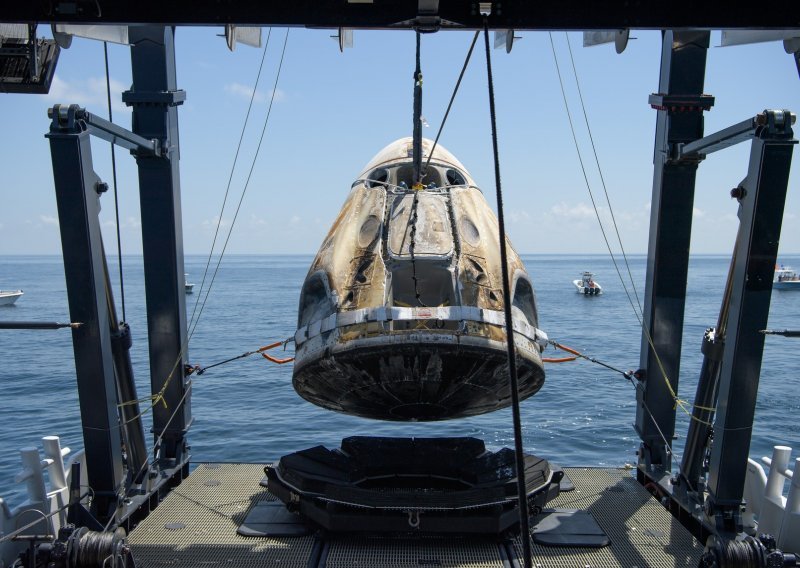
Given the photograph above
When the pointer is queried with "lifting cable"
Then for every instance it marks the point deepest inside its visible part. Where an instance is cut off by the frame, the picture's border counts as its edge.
(158, 397)
(684, 405)
(629, 375)
(450, 104)
(603, 182)
(230, 177)
(261, 350)
(421, 172)
(586, 177)
(246, 183)
(522, 500)
(114, 177)
(576, 355)
(416, 186)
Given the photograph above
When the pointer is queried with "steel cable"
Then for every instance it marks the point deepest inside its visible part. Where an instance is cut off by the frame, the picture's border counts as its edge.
(522, 501)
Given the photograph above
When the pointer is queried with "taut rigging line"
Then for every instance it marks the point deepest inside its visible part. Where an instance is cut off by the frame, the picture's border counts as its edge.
(522, 500)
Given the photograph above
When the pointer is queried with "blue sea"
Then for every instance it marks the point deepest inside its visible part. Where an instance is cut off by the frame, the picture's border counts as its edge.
(247, 411)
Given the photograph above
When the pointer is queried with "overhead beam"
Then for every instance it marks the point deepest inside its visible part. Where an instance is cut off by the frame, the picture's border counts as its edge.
(383, 14)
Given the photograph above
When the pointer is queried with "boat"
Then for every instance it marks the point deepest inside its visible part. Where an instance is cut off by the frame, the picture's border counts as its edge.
(587, 286)
(785, 278)
(188, 286)
(401, 314)
(8, 297)
(653, 513)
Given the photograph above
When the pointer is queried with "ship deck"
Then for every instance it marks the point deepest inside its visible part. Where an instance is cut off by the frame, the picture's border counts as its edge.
(197, 525)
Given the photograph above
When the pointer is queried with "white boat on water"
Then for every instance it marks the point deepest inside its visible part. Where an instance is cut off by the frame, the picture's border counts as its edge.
(587, 286)
(188, 285)
(785, 278)
(8, 297)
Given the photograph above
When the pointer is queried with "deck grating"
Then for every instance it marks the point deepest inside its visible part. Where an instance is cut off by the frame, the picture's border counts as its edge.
(643, 533)
(207, 508)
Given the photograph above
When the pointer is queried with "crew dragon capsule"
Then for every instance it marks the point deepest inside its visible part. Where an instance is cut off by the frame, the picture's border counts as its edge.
(401, 313)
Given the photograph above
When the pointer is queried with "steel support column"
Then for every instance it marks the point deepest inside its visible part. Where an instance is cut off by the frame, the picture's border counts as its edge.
(154, 97)
(762, 196)
(680, 120)
(77, 193)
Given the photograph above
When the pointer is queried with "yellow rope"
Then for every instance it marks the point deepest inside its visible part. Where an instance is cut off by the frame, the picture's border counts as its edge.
(679, 402)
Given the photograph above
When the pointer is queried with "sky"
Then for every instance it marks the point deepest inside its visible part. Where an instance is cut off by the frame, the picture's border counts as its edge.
(331, 112)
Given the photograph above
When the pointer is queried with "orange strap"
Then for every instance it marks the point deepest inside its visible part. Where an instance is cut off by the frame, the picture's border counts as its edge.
(561, 359)
(567, 349)
(269, 357)
(557, 359)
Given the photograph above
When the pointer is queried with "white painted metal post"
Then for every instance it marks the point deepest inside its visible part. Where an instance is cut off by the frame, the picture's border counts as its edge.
(789, 540)
(55, 471)
(774, 503)
(32, 475)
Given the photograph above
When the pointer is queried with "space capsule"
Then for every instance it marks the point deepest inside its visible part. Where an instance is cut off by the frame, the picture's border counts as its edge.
(401, 313)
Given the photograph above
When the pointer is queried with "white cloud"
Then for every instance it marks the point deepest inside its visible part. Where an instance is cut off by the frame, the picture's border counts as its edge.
(89, 93)
(131, 223)
(517, 216)
(698, 213)
(245, 92)
(48, 220)
(214, 223)
(256, 221)
(109, 224)
(576, 212)
(295, 220)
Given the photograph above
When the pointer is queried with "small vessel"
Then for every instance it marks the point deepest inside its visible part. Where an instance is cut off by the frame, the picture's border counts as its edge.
(188, 285)
(587, 286)
(785, 278)
(8, 297)
(401, 313)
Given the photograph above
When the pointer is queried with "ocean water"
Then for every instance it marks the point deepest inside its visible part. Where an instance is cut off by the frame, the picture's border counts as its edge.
(247, 410)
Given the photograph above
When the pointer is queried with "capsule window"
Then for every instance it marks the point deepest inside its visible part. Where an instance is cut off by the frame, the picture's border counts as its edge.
(455, 177)
(378, 178)
(315, 301)
(405, 176)
(525, 300)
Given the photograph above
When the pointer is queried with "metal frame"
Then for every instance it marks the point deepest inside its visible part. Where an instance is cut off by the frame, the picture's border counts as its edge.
(762, 196)
(404, 14)
(680, 103)
(154, 97)
(729, 378)
(78, 200)
(101, 342)
(679, 148)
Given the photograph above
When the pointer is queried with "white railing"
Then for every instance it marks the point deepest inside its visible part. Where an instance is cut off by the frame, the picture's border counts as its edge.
(775, 514)
(43, 497)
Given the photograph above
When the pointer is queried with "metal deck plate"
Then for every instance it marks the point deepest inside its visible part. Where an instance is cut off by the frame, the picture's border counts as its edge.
(210, 514)
(643, 533)
(205, 511)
